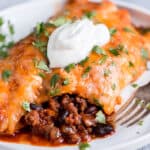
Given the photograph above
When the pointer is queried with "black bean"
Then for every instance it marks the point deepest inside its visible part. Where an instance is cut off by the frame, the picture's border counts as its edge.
(62, 115)
(102, 129)
(91, 110)
(35, 107)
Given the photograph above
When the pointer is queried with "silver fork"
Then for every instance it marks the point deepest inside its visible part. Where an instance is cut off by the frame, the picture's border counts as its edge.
(136, 108)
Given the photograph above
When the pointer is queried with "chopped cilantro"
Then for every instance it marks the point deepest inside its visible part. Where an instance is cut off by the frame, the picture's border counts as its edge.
(134, 85)
(84, 61)
(41, 74)
(100, 117)
(59, 21)
(40, 28)
(26, 106)
(103, 59)
(1, 21)
(98, 50)
(40, 45)
(112, 31)
(9, 44)
(144, 53)
(115, 51)
(69, 67)
(54, 92)
(66, 81)
(6, 75)
(54, 80)
(11, 28)
(46, 33)
(3, 54)
(2, 37)
(86, 71)
(90, 14)
(96, 101)
(84, 146)
(126, 29)
(41, 65)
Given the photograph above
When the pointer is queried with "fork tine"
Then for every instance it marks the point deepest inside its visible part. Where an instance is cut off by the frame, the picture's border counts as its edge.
(139, 118)
(128, 111)
(136, 113)
(123, 108)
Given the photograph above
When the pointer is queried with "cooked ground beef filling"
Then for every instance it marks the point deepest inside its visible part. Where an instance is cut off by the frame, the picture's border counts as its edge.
(67, 119)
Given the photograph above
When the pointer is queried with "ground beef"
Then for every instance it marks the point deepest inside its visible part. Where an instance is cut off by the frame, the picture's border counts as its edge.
(67, 119)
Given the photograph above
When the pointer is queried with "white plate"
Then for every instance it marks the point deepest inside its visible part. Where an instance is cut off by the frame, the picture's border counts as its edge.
(24, 17)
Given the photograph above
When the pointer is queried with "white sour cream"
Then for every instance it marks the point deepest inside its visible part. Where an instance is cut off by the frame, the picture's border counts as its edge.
(72, 42)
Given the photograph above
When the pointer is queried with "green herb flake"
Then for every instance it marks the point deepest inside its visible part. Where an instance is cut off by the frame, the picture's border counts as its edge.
(144, 53)
(6, 75)
(115, 51)
(84, 61)
(46, 33)
(41, 65)
(96, 101)
(40, 28)
(107, 72)
(98, 50)
(127, 29)
(66, 81)
(103, 59)
(54, 80)
(69, 67)
(100, 117)
(3, 54)
(26, 106)
(86, 71)
(59, 21)
(54, 92)
(84, 146)
(134, 85)
(131, 64)
(40, 45)
(2, 38)
(1, 21)
(112, 31)
(41, 74)
(90, 15)
(140, 123)
(113, 86)
(9, 44)
(11, 28)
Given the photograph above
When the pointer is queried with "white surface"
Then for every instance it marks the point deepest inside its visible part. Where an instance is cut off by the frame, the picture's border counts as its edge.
(124, 139)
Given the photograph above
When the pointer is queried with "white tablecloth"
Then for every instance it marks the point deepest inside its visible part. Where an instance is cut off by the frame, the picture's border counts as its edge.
(145, 3)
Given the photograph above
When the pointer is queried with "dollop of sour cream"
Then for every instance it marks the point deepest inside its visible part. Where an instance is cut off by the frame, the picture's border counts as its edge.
(72, 42)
